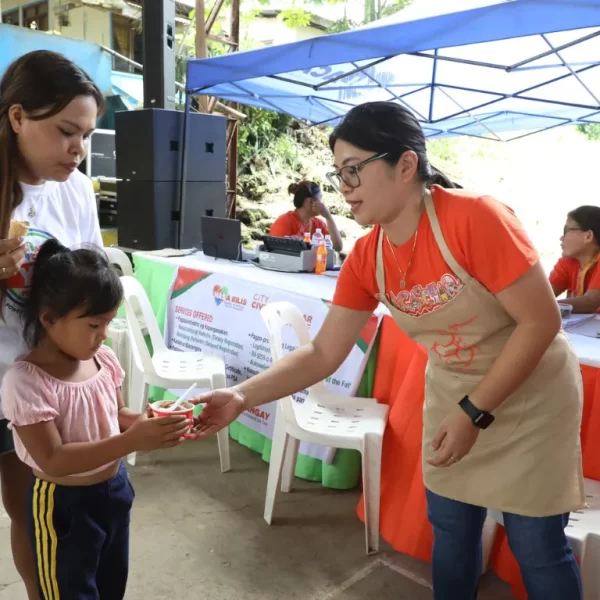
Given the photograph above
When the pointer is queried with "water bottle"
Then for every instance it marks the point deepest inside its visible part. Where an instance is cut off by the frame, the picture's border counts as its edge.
(328, 242)
(317, 238)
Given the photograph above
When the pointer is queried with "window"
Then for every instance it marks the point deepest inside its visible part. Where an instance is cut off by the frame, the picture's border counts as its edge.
(11, 17)
(127, 41)
(35, 16)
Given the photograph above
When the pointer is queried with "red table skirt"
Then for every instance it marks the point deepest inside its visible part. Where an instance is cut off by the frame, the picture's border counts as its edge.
(400, 382)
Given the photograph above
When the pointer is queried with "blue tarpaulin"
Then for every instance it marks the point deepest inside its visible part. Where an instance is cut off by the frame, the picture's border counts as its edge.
(489, 67)
(130, 86)
(16, 41)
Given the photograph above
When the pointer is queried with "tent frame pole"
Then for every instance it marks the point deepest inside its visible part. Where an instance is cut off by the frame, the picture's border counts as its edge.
(184, 153)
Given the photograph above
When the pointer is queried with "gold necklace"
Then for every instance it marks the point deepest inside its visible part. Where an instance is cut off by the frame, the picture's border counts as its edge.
(403, 273)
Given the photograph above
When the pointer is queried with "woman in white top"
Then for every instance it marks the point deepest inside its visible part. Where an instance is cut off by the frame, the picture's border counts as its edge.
(48, 110)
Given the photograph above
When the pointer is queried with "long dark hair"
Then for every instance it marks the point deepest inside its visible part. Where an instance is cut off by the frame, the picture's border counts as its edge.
(303, 190)
(588, 218)
(386, 127)
(43, 83)
(65, 280)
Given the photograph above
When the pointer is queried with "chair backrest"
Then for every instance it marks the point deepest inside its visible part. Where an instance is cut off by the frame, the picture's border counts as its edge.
(277, 316)
(135, 298)
(119, 258)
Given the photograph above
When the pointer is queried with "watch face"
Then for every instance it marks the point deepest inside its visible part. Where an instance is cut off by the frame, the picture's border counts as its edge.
(483, 420)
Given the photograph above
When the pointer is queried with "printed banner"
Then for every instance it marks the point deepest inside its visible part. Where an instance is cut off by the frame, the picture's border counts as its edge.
(220, 314)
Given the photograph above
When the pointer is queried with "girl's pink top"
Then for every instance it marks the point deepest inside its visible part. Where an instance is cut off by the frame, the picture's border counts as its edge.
(83, 412)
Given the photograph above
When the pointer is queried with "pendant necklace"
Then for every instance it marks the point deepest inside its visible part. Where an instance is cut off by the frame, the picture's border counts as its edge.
(403, 273)
(31, 213)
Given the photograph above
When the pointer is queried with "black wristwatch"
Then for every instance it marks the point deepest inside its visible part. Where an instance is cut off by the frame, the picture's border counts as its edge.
(480, 418)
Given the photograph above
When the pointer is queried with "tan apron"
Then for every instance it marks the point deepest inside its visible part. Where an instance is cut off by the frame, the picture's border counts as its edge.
(528, 462)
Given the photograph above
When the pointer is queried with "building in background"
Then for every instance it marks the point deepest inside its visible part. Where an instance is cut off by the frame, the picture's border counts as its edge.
(116, 24)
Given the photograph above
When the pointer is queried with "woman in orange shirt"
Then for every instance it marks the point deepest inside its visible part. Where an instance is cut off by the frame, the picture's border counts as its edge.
(306, 218)
(503, 396)
(577, 272)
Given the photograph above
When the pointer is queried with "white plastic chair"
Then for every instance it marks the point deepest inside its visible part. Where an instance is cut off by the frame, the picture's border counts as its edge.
(324, 418)
(583, 532)
(167, 368)
(119, 258)
(118, 332)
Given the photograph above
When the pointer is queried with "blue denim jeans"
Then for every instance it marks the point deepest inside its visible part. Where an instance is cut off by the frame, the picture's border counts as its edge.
(548, 567)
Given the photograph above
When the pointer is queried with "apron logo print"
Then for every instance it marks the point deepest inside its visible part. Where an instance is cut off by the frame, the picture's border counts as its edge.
(454, 351)
(220, 294)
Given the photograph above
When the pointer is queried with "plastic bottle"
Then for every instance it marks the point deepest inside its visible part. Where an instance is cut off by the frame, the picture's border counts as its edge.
(307, 237)
(321, 264)
(317, 237)
(328, 242)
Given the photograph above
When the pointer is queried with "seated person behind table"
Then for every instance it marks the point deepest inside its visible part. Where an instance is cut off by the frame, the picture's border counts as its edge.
(307, 216)
(577, 271)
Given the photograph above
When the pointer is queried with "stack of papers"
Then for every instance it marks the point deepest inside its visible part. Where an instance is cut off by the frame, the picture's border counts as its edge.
(588, 325)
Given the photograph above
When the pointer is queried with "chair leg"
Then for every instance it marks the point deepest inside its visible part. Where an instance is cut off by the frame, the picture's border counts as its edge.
(140, 401)
(223, 442)
(280, 437)
(488, 536)
(138, 390)
(371, 475)
(289, 464)
(126, 360)
(590, 576)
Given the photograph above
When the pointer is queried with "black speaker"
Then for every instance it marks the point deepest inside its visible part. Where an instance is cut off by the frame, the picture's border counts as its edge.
(147, 220)
(158, 23)
(149, 155)
(149, 146)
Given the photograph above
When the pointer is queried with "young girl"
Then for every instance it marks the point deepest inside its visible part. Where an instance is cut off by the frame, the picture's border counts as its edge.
(48, 110)
(64, 402)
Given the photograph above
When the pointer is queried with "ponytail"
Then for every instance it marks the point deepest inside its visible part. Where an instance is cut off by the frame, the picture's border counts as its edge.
(439, 178)
(303, 190)
(47, 252)
(66, 280)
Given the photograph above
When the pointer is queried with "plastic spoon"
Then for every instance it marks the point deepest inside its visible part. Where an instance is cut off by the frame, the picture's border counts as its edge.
(181, 398)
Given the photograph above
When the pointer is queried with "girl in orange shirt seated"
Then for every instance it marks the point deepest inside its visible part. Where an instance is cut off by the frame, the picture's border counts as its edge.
(306, 218)
(577, 272)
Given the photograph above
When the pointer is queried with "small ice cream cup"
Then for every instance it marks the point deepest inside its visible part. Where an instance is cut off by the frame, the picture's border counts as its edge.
(185, 409)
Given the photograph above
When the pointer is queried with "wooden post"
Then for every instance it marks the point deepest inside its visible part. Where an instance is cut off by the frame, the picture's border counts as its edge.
(232, 150)
(201, 46)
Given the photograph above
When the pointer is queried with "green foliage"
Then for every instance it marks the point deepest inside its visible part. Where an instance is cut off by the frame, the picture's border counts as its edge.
(295, 17)
(591, 131)
(393, 7)
(342, 25)
(260, 131)
(374, 10)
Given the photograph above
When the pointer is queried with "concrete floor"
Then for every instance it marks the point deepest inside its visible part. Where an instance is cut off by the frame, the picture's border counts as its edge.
(198, 534)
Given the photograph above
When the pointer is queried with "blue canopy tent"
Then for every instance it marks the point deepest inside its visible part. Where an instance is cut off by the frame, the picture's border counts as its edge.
(491, 67)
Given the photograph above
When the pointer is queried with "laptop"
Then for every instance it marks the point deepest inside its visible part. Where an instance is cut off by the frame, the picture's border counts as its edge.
(221, 238)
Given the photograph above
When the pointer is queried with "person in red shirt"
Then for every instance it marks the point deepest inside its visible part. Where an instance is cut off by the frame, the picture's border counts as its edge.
(503, 402)
(309, 215)
(577, 272)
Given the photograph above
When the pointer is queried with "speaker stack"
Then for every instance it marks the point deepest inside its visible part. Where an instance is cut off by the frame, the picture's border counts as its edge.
(158, 31)
(149, 154)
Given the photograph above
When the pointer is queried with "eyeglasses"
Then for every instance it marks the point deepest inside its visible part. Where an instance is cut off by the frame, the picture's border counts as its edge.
(567, 229)
(349, 174)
